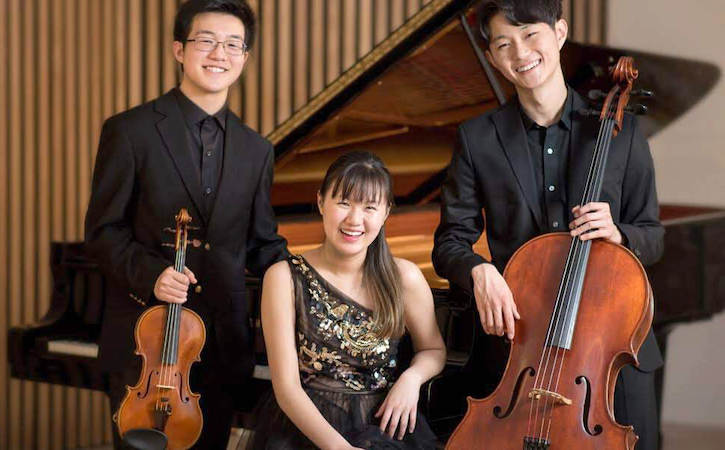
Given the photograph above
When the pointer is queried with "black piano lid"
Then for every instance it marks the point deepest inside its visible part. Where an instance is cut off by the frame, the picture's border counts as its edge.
(404, 99)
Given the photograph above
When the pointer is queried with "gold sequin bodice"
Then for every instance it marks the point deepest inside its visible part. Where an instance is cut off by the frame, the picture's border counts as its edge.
(337, 346)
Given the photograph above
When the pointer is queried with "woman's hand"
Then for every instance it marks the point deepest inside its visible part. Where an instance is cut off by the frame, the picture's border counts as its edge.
(400, 408)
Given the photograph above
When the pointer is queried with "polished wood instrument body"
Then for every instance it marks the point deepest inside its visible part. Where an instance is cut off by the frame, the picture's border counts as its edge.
(586, 309)
(169, 339)
(612, 324)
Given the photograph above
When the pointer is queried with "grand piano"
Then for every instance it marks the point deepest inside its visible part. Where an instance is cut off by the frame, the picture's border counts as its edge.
(404, 101)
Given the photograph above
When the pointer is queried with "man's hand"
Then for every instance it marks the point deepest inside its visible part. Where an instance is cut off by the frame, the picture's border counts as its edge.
(594, 220)
(494, 301)
(171, 286)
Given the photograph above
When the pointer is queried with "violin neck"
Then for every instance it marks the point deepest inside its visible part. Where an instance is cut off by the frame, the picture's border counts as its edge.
(170, 351)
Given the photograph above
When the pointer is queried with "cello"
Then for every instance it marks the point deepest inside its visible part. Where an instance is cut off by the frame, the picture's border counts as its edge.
(169, 338)
(588, 309)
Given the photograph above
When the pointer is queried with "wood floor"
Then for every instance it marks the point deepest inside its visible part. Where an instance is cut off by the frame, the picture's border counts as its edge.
(676, 437)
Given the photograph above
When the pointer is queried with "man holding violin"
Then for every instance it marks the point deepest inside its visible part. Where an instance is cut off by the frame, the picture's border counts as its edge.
(186, 149)
(525, 164)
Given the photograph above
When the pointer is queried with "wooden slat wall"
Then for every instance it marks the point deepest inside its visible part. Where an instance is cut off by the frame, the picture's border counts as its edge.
(68, 65)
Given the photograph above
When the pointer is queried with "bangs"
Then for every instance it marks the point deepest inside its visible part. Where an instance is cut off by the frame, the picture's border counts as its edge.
(364, 184)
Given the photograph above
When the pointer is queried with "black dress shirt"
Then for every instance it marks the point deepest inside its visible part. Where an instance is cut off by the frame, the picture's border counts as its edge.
(206, 133)
(549, 153)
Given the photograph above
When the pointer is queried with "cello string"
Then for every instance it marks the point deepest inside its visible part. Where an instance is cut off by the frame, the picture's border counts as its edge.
(591, 194)
(572, 262)
(582, 249)
(554, 322)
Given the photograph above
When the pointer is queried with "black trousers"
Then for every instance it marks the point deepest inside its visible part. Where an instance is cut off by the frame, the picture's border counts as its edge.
(635, 403)
(209, 379)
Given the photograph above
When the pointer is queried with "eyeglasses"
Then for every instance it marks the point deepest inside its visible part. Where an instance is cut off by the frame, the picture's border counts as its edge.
(233, 47)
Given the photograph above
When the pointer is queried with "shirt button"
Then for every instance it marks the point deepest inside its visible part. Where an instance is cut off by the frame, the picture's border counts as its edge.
(208, 153)
(552, 188)
(555, 224)
(197, 289)
(207, 191)
(550, 151)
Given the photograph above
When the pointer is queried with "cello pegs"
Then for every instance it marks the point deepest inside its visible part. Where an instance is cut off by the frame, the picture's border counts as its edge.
(596, 94)
(588, 112)
(637, 109)
(642, 93)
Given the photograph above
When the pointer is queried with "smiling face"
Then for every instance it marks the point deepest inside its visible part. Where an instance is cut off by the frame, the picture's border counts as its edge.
(528, 54)
(211, 72)
(351, 224)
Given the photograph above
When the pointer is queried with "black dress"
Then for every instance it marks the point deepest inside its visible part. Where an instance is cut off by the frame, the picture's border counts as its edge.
(344, 367)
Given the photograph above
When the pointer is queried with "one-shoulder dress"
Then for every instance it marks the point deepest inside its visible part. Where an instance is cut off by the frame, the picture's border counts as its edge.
(345, 368)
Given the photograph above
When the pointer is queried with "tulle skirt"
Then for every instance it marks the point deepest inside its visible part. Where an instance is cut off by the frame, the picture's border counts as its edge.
(351, 414)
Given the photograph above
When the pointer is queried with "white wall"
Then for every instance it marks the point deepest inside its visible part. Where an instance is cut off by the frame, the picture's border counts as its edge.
(689, 159)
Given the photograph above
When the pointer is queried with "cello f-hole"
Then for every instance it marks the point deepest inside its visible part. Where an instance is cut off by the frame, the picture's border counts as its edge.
(585, 410)
(515, 394)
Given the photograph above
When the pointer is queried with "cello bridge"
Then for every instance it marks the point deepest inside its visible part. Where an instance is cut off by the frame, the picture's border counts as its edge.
(558, 398)
(164, 386)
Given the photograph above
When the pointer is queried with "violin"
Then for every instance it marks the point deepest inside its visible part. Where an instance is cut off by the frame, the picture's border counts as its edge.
(588, 309)
(169, 338)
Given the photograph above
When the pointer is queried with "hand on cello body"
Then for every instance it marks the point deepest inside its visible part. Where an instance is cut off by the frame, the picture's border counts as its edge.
(494, 301)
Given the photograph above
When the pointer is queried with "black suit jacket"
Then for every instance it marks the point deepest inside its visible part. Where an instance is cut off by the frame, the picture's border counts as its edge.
(144, 174)
(491, 170)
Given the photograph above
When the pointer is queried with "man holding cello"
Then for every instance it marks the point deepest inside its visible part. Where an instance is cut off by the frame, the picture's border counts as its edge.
(185, 149)
(524, 165)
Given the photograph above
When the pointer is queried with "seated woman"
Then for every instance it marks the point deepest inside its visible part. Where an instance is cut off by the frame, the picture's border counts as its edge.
(332, 318)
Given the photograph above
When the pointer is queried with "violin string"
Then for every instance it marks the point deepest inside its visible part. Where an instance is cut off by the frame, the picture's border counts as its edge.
(554, 322)
(592, 189)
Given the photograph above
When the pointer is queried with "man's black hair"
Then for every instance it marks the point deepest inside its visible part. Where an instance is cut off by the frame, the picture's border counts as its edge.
(518, 12)
(237, 8)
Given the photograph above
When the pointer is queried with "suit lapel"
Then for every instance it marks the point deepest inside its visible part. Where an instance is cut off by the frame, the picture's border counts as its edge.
(512, 136)
(172, 131)
(584, 131)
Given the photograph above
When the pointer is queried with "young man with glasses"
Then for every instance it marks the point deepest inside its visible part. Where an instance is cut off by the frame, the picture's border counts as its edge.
(185, 149)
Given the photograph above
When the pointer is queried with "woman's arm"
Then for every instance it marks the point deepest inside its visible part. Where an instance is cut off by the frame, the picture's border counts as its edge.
(400, 407)
(278, 323)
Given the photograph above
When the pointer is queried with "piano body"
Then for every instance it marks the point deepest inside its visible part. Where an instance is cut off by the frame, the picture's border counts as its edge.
(404, 101)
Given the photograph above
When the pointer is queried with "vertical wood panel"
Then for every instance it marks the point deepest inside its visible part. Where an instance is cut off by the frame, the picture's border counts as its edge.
(4, 178)
(284, 83)
(14, 225)
(57, 204)
(43, 120)
(152, 71)
(300, 54)
(29, 204)
(121, 102)
(267, 66)
(332, 70)
(251, 81)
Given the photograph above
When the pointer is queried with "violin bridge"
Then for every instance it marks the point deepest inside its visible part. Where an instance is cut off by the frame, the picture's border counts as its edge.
(558, 398)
